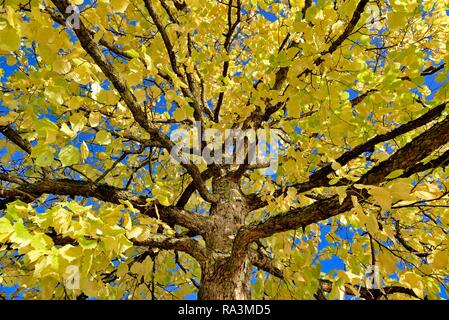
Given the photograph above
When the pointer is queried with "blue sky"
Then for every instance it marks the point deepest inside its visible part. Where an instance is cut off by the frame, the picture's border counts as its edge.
(327, 266)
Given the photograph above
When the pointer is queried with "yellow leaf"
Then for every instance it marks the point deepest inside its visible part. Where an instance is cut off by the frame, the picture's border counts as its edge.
(10, 40)
(424, 195)
(62, 66)
(341, 191)
(119, 5)
(179, 114)
(135, 232)
(440, 260)
(413, 281)
(69, 155)
(127, 222)
(84, 150)
(103, 138)
(122, 270)
(70, 253)
(382, 196)
(358, 208)
(335, 165)
(94, 118)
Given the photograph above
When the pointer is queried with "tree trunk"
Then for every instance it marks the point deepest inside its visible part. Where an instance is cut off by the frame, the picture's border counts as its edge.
(220, 280)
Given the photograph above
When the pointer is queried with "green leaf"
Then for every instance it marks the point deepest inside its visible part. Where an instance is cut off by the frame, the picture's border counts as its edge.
(21, 235)
(5, 226)
(69, 155)
(19, 209)
(87, 244)
(78, 122)
(103, 138)
(44, 155)
(133, 53)
(395, 174)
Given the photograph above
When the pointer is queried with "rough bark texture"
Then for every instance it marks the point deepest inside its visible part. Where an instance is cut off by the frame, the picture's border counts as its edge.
(227, 259)
(222, 279)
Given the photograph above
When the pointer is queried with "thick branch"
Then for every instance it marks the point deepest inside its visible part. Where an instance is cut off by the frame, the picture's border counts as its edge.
(173, 60)
(363, 292)
(191, 188)
(15, 138)
(89, 45)
(413, 152)
(265, 263)
(187, 245)
(319, 178)
(104, 192)
(441, 161)
(184, 244)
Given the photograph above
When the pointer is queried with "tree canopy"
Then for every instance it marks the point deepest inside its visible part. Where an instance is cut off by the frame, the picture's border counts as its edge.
(92, 203)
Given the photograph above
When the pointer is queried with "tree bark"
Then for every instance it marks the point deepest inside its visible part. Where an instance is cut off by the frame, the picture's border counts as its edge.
(221, 279)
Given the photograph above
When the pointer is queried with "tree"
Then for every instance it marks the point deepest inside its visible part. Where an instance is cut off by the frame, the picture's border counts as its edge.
(94, 205)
